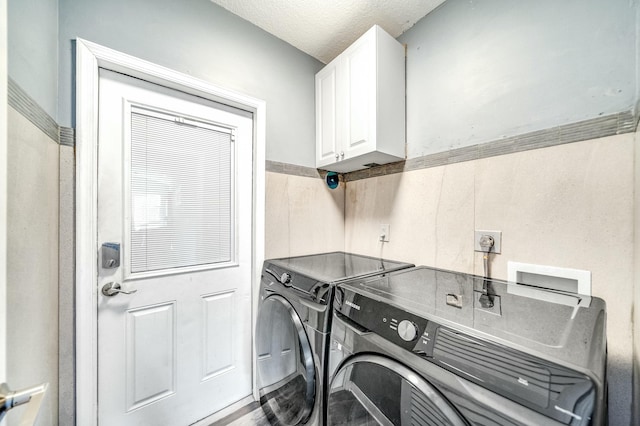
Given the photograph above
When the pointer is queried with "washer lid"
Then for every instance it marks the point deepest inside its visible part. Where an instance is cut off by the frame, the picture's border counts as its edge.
(370, 389)
(286, 373)
(338, 266)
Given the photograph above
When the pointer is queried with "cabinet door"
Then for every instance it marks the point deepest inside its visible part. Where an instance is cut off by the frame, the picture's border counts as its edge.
(360, 101)
(326, 116)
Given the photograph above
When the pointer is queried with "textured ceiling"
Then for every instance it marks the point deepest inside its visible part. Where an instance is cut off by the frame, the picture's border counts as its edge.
(324, 28)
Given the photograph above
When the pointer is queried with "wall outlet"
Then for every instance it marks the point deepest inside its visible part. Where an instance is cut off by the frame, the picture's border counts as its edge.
(384, 233)
(497, 241)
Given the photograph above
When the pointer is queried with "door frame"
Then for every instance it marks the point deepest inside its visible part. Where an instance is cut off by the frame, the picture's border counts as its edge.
(90, 57)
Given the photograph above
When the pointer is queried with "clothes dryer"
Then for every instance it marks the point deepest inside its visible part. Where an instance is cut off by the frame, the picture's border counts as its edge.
(292, 330)
(432, 347)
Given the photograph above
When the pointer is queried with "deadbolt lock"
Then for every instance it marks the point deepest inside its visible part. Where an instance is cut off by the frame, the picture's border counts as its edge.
(110, 255)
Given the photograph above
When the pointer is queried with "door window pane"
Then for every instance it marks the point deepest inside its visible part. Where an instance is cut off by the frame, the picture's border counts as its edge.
(181, 193)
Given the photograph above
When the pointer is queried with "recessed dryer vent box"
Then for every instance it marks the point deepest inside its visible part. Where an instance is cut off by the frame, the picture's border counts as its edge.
(550, 277)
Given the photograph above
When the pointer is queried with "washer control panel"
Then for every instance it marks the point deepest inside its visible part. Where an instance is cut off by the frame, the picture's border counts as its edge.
(279, 279)
(285, 278)
(403, 328)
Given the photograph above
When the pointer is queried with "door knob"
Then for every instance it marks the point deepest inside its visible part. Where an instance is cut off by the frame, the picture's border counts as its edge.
(10, 399)
(111, 289)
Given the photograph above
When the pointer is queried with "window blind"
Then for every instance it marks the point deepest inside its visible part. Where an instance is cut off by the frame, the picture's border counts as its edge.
(181, 191)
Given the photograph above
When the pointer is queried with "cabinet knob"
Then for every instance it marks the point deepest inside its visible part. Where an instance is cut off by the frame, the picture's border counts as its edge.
(342, 154)
(337, 156)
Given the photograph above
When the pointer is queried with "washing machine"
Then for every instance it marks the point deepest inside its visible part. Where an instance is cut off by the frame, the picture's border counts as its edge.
(293, 324)
(433, 347)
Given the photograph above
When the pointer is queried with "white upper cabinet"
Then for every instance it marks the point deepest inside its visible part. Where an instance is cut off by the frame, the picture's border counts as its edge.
(360, 105)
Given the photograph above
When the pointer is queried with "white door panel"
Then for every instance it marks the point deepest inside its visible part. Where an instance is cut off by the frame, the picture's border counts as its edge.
(361, 110)
(150, 354)
(326, 116)
(174, 189)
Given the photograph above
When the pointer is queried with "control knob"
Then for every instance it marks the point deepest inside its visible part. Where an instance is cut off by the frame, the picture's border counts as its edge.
(285, 278)
(407, 330)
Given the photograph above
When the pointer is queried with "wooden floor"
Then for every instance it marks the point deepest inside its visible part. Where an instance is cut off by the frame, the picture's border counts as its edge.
(249, 415)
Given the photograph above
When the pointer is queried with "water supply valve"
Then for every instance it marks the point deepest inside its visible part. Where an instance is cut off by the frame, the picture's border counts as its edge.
(486, 243)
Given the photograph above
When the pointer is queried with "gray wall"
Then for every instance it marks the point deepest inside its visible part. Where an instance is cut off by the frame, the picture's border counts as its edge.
(201, 39)
(478, 71)
(32, 215)
(33, 50)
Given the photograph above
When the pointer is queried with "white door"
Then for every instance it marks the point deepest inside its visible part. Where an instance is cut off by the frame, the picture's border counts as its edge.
(174, 194)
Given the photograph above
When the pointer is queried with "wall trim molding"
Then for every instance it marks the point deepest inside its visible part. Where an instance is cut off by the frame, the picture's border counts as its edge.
(292, 169)
(595, 128)
(29, 108)
(24, 104)
(67, 136)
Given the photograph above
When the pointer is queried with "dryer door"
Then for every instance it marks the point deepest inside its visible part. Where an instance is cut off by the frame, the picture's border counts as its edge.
(370, 390)
(286, 373)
